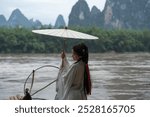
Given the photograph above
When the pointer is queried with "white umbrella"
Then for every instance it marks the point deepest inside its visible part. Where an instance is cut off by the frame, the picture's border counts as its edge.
(65, 33)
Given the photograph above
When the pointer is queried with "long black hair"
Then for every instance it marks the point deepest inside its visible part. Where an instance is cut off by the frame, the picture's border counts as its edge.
(82, 51)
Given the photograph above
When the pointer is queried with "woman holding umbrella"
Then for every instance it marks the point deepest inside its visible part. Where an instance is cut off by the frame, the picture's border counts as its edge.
(73, 82)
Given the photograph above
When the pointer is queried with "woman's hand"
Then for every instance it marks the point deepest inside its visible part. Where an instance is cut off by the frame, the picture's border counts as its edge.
(63, 55)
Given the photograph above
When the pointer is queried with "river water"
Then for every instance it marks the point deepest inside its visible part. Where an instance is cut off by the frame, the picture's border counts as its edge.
(114, 76)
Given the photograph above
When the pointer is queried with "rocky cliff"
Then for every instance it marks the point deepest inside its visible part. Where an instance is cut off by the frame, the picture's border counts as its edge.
(96, 17)
(117, 14)
(130, 14)
(80, 14)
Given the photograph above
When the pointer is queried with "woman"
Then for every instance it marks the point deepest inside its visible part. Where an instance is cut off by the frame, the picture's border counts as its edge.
(73, 82)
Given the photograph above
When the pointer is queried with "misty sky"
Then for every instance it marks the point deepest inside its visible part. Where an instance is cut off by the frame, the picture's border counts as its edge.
(44, 10)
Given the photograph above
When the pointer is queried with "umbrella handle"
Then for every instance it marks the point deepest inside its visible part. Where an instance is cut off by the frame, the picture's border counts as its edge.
(64, 45)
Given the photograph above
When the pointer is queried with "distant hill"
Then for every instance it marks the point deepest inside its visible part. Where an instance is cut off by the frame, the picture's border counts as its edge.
(17, 19)
(60, 22)
(3, 21)
(36, 23)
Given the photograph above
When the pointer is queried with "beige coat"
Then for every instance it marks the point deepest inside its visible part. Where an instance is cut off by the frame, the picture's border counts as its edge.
(69, 85)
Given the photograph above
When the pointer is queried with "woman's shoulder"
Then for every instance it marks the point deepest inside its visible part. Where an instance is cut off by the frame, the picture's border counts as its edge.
(79, 64)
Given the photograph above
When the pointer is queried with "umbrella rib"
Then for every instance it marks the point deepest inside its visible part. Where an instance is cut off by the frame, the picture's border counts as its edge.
(71, 34)
(55, 33)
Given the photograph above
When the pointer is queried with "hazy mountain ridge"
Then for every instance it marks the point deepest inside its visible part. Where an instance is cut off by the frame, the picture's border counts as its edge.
(17, 19)
(117, 14)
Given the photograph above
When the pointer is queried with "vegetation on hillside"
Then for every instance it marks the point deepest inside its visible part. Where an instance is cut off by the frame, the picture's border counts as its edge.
(24, 41)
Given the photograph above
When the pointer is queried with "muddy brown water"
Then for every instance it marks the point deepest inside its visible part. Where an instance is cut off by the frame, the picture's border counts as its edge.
(114, 76)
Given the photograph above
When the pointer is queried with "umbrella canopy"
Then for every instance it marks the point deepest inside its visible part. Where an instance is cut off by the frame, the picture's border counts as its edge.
(64, 33)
